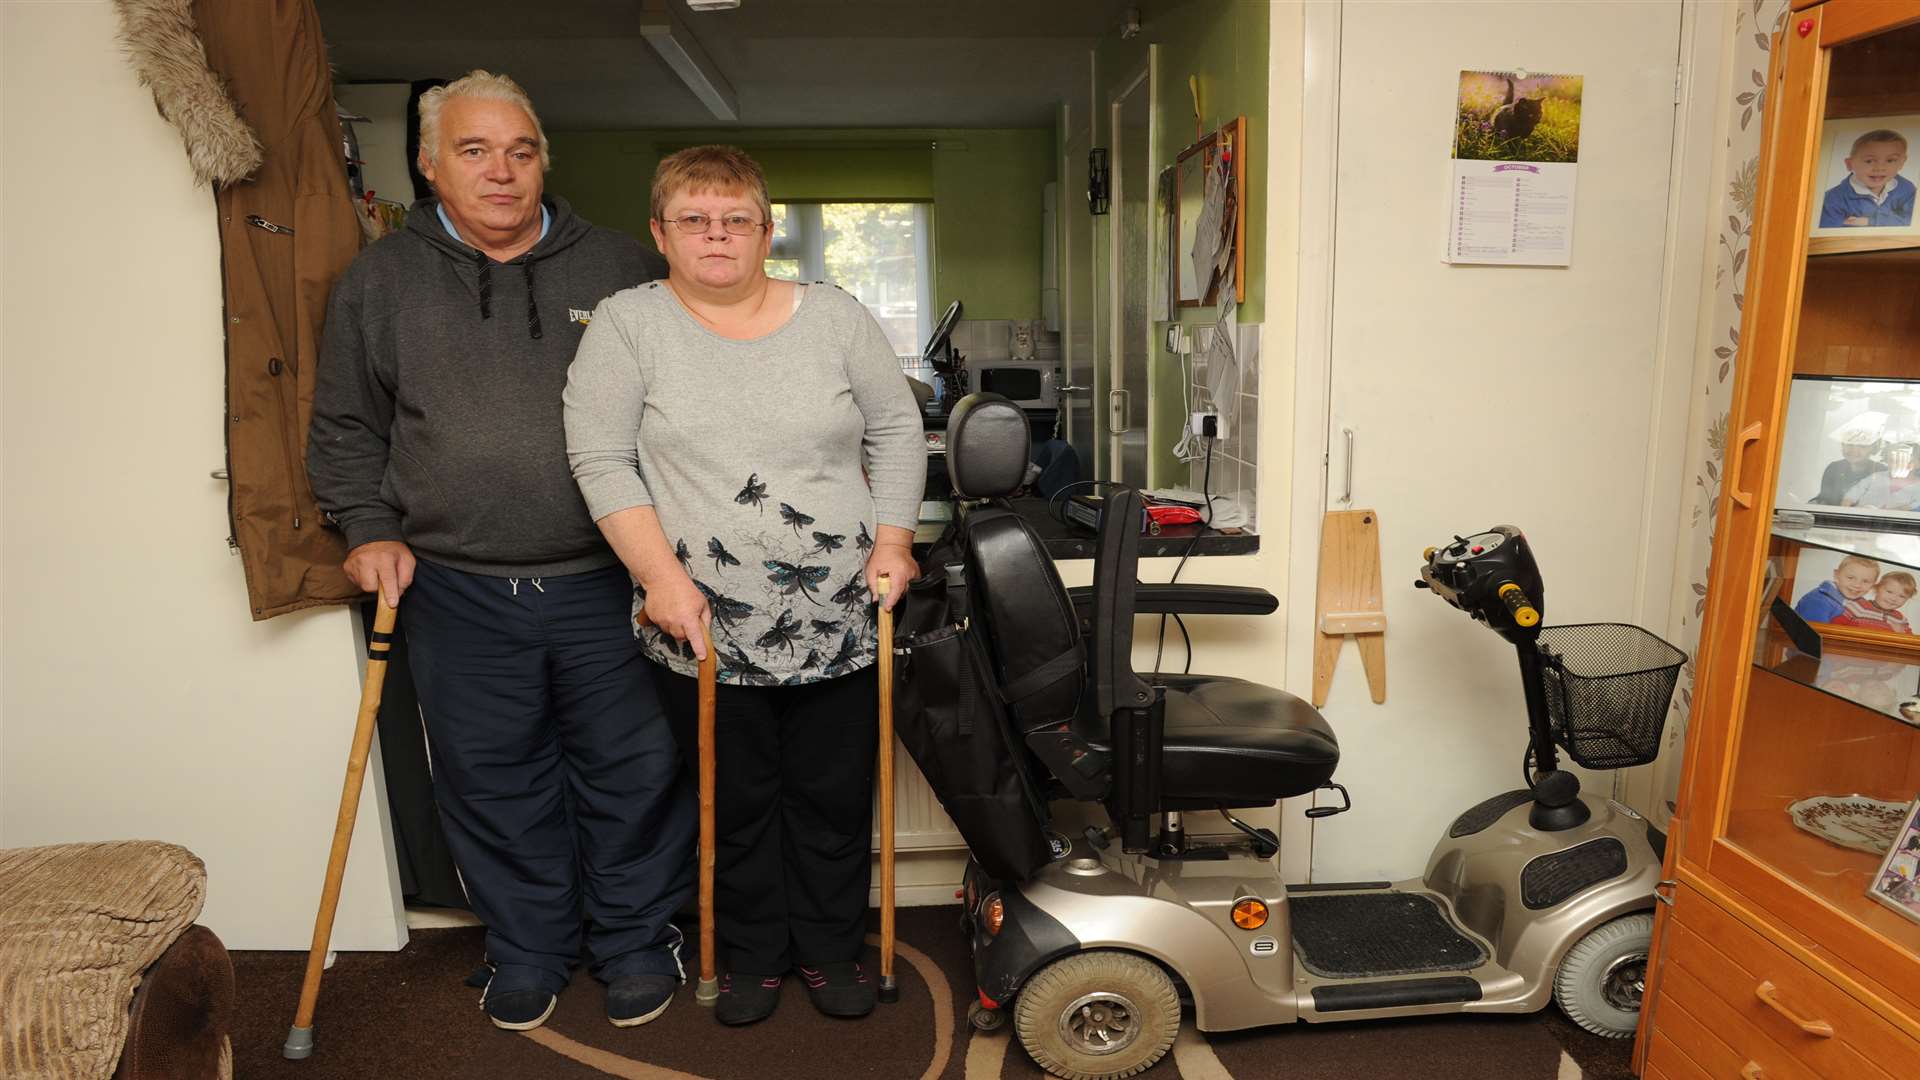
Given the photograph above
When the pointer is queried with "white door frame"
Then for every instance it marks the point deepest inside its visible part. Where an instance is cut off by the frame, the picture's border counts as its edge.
(1685, 277)
(1116, 311)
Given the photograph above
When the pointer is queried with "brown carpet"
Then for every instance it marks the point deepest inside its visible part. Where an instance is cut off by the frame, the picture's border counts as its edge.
(409, 1015)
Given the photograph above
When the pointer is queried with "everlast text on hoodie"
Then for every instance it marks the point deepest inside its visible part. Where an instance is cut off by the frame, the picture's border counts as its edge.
(436, 412)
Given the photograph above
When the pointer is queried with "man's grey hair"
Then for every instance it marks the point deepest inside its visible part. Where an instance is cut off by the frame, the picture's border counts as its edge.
(482, 84)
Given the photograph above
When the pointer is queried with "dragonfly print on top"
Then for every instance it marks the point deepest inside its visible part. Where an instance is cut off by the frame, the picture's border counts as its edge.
(790, 602)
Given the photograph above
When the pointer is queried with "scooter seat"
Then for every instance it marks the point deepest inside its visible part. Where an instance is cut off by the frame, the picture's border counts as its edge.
(1230, 742)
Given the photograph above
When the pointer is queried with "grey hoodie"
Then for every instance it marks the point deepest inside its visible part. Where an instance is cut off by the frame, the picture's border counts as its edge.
(436, 412)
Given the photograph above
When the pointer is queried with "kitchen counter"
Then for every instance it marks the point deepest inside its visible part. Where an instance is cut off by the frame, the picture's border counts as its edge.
(1072, 542)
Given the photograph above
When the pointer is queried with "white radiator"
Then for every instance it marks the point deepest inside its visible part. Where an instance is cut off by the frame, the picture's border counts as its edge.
(918, 822)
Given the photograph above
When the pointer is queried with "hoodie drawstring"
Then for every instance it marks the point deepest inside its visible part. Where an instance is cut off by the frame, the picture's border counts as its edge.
(486, 284)
(533, 313)
(534, 329)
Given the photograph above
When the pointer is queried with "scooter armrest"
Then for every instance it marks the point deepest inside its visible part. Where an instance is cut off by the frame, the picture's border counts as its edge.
(1185, 600)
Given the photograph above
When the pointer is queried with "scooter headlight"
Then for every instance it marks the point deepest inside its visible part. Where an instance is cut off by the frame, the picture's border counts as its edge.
(1249, 913)
(992, 914)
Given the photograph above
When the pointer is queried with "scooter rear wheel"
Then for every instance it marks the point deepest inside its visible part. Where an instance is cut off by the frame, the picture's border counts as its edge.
(1602, 979)
(1097, 1016)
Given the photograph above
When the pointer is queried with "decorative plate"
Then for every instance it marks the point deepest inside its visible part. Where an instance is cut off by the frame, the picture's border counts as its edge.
(1909, 710)
(1851, 821)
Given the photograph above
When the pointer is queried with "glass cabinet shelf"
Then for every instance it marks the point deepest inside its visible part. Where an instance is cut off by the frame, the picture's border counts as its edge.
(1902, 548)
(1869, 677)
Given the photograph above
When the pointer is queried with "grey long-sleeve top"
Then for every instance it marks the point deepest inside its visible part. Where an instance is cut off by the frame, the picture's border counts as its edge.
(751, 454)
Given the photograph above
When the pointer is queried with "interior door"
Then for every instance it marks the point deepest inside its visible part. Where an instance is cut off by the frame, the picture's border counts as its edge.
(1468, 396)
(1077, 285)
(1131, 225)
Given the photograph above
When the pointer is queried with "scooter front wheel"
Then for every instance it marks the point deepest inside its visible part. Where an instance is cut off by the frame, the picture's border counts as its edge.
(1097, 1016)
(1601, 982)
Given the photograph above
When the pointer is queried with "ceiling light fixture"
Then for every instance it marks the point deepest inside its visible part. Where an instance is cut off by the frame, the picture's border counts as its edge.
(713, 5)
(688, 60)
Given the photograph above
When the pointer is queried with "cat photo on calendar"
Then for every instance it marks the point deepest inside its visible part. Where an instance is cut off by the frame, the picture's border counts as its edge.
(1518, 116)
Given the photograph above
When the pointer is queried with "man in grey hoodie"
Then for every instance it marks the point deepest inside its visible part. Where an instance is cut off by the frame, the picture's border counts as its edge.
(438, 446)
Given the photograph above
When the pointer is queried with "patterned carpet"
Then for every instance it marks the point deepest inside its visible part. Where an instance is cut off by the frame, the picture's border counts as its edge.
(410, 1015)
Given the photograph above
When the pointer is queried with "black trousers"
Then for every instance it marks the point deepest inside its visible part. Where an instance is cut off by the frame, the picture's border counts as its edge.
(793, 816)
(559, 785)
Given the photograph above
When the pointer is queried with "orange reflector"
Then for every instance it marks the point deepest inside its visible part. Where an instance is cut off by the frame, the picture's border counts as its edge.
(993, 912)
(1250, 913)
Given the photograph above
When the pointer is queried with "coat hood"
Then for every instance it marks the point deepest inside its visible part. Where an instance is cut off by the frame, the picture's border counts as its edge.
(163, 43)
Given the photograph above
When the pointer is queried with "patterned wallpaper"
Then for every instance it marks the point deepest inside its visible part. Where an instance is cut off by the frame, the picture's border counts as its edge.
(1753, 24)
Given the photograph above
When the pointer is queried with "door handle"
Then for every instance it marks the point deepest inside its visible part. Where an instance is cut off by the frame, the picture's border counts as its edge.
(1738, 457)
(1766, 992)
(1346, 496)
(1117, 412)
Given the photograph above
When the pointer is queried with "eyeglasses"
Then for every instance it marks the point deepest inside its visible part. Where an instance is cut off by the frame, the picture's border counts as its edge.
(737, 224)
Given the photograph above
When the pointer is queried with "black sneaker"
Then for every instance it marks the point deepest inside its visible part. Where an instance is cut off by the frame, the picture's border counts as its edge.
(633, 1000)
(519, 1010)
(748, 1000)
(839, 989)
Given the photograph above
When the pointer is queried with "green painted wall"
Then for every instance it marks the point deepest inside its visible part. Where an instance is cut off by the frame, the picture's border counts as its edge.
(985, 187)
(1223, 44)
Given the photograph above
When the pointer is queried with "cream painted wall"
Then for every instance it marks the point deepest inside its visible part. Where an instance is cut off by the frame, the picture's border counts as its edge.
(137, 699)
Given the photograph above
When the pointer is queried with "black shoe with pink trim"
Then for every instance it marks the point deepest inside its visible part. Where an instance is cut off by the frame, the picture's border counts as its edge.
(746, 999)
(838, 989)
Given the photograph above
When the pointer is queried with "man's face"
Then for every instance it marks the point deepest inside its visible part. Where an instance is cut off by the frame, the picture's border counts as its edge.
(1875, 163)
(1854, 453)
(1853, 581)
(715, 258)
(488, 174)
(1891, 595)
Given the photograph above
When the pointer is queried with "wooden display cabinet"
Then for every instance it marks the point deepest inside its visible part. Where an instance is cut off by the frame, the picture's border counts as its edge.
(1770, 958)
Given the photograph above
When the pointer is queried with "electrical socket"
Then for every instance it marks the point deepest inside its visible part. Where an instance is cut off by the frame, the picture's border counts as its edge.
(1208, 424)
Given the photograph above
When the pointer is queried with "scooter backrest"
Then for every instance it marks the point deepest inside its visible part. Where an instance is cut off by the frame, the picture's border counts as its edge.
(1030, 626)
(987, 447)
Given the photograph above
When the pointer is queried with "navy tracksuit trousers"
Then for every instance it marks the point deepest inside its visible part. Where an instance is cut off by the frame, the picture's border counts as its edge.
(559, 783)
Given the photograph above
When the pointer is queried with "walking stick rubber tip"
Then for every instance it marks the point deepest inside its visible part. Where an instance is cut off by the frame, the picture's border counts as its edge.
(889, 991)
(706, 992)
(299, 1046)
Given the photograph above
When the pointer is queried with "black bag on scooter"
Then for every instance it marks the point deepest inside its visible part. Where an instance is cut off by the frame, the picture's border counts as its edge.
(948, 712)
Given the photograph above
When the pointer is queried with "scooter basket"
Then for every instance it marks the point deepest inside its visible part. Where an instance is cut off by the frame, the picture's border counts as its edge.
(1607, 688)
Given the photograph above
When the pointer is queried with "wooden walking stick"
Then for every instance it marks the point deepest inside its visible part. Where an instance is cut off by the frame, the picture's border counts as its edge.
(299, 1043)
(707, 991)
(889, 991)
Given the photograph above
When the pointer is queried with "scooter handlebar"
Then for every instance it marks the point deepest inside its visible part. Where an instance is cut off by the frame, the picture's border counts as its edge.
(1522, 609)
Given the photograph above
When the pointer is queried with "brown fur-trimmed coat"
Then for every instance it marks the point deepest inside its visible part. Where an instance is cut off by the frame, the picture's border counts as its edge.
(247, 84)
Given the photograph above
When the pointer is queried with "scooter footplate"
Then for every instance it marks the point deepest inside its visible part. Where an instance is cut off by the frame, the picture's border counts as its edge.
(1354, 935)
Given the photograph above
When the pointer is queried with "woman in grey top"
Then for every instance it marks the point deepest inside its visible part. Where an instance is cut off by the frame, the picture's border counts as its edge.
(750, 448)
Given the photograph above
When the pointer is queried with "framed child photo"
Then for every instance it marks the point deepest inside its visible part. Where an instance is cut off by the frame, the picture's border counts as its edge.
(1897, 883)
(1864, 195)
(1851, 452)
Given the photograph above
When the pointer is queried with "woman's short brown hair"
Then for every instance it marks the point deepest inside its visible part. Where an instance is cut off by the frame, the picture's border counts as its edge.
(709, 168)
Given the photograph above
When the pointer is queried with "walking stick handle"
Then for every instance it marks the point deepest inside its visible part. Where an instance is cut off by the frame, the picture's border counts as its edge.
(707, 991)
(299, 1042)
(889, 991)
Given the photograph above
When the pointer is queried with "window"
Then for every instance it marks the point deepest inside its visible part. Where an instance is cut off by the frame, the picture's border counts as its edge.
(879, 252)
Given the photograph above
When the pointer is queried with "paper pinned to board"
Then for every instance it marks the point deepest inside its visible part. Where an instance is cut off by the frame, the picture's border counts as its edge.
(1223, 365)
(1207, 247)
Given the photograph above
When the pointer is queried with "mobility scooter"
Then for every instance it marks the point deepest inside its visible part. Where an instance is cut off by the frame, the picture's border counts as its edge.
(1536, 893)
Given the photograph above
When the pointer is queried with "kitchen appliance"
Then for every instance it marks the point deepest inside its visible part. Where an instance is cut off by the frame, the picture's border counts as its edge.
(1030, 384)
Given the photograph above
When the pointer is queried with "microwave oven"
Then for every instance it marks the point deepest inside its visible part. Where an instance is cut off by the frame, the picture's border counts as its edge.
(1030, 384)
